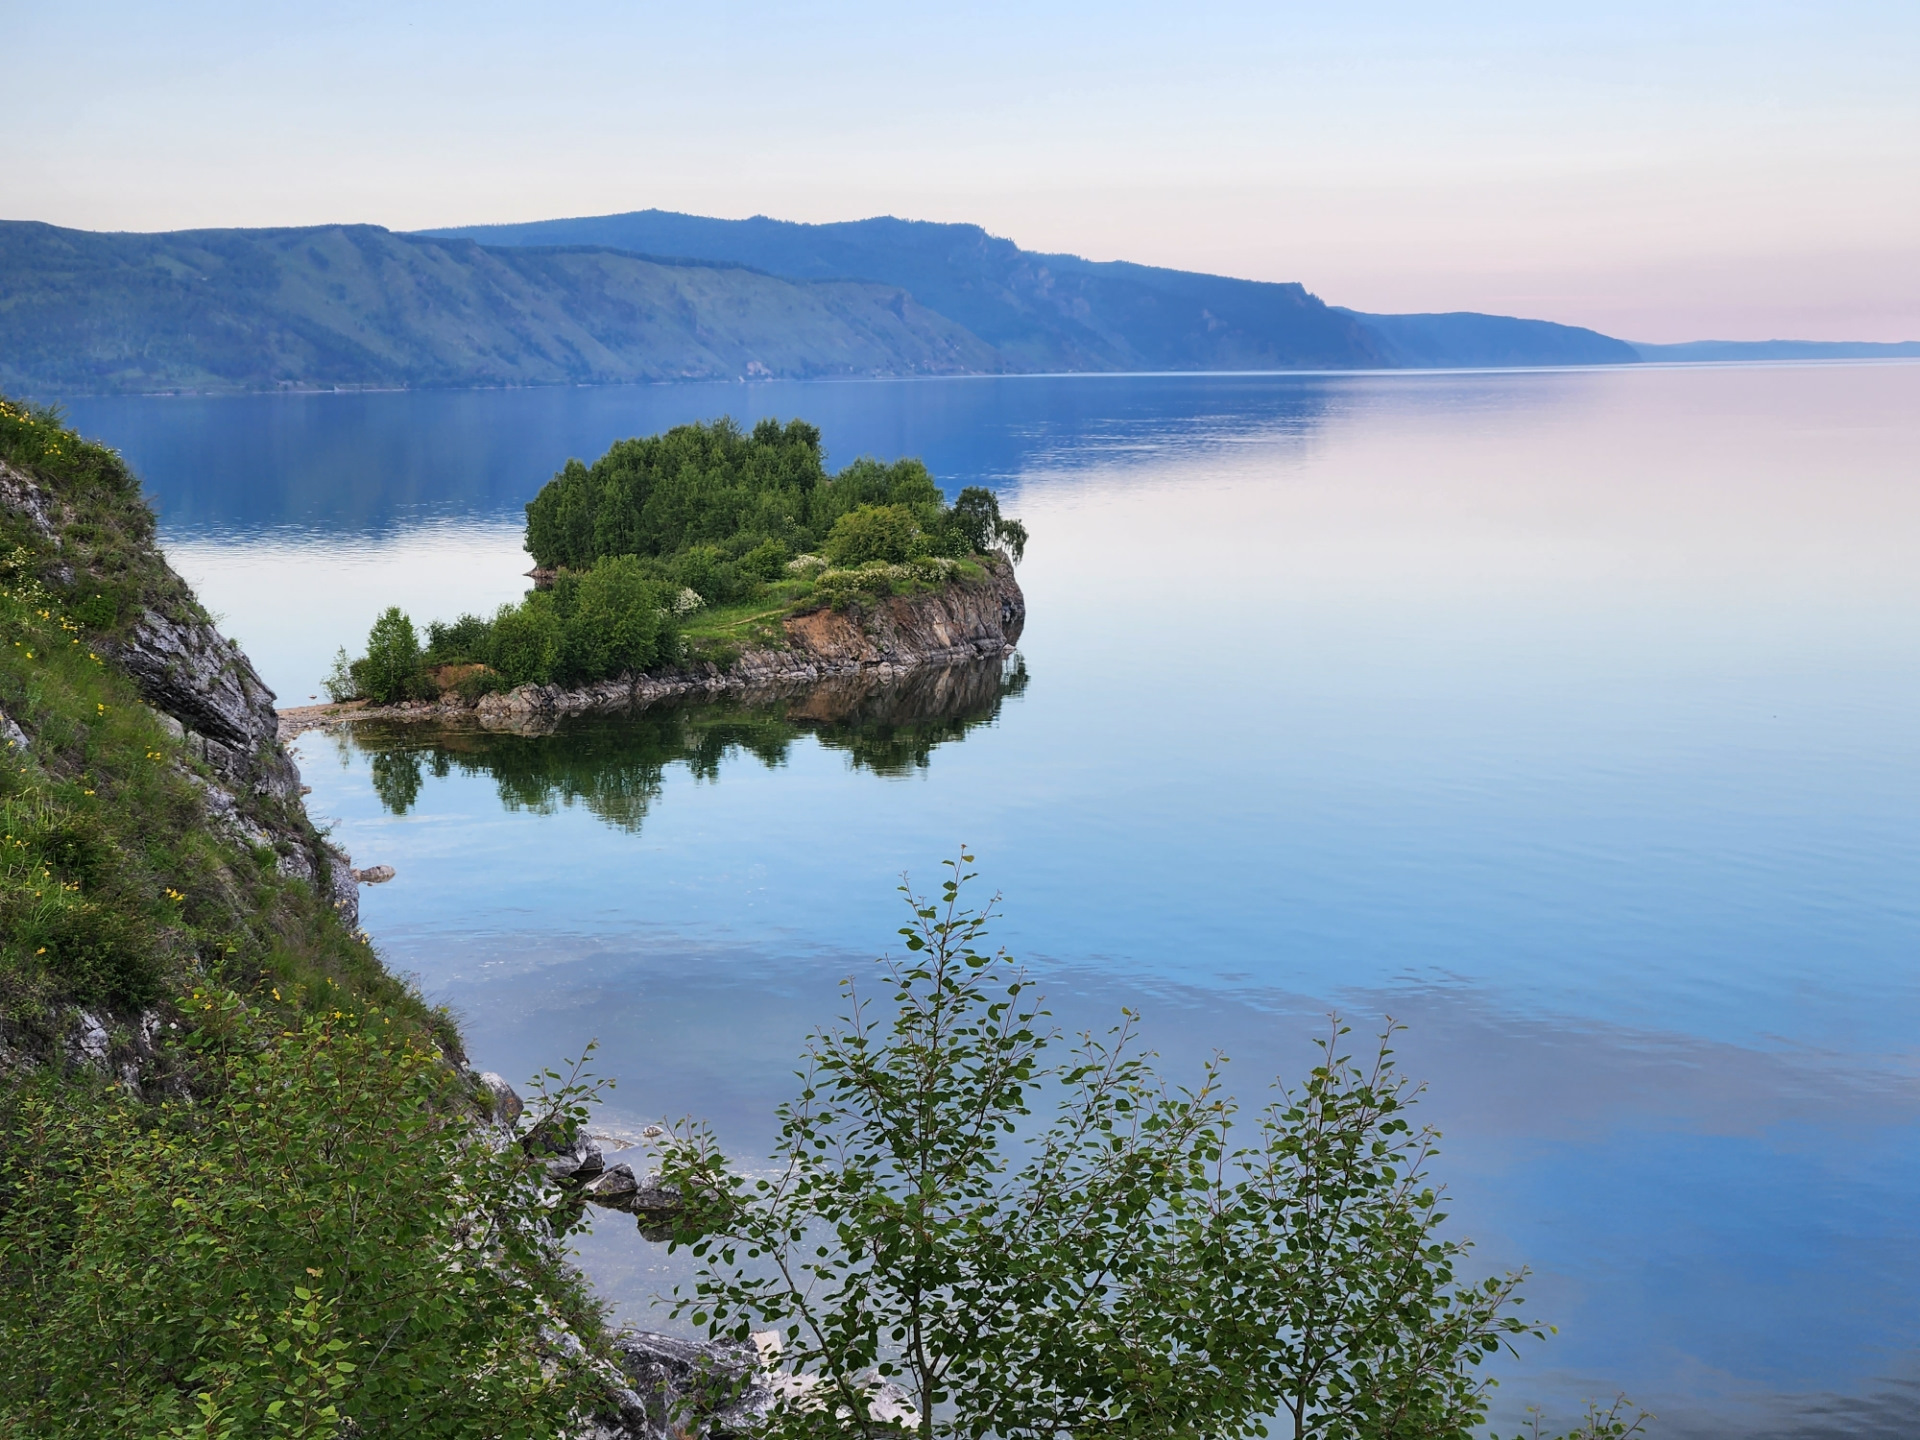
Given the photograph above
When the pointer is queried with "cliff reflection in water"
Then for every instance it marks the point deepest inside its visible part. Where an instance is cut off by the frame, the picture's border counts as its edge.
(613, 764)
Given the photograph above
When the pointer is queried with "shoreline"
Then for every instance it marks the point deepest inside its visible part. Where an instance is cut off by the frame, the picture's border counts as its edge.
(967, 621)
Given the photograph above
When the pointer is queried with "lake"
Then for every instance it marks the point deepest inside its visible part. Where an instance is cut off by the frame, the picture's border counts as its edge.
(1571, 719)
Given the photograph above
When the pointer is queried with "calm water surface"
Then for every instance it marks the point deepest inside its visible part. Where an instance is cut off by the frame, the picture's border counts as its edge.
(1569, 718)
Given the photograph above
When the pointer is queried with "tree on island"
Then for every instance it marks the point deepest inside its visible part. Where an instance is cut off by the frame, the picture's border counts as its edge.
(701, 517)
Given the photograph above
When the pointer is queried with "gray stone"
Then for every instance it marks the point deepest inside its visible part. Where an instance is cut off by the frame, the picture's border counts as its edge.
(91, 1042)
(186, 670)
(506, 1101)
(341, 886)
(374, 875)
(13, 740)
(579, 1161)
(23, 497)
(699, 1388)
(612, 1187)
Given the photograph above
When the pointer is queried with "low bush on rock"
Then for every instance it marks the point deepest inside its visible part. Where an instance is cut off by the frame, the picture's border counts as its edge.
(611, 620)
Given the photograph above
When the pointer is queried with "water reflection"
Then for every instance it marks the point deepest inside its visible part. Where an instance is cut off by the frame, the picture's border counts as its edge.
(373, 465)
(614, 764)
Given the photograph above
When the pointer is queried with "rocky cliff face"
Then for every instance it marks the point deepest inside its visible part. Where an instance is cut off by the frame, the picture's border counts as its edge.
(968, 620)
(187, 670)
(207, 694)
(965, 621)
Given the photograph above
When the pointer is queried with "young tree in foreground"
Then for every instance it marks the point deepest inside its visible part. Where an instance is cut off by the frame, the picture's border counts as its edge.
(1035, 1245)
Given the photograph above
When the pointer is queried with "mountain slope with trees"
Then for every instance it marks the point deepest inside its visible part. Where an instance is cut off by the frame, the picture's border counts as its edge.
(654, 296)
(355, 305)
(1060, 312)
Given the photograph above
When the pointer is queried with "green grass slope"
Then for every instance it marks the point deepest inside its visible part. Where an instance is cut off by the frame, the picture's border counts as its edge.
(216, 310)
(247, 1186)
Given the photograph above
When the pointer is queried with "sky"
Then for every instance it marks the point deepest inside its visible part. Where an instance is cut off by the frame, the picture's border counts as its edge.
(1661, 172)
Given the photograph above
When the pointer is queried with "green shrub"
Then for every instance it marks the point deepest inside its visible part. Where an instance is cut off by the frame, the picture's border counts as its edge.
(528, 641)
(465, 641)
(975, 521)
(340, 683)
(320, 1245)
(616, 621)
(394, 667)
(706, 570)
(766, 561)
(888, 533)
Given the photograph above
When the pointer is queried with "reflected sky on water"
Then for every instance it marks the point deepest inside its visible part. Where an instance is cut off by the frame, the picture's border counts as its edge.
(1567, 717)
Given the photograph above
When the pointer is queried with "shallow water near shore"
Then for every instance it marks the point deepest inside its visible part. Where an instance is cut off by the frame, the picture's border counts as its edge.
(1567, 717)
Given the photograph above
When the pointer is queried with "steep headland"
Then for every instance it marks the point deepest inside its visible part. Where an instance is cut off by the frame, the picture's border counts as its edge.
(1055, 312)
(248, 1183)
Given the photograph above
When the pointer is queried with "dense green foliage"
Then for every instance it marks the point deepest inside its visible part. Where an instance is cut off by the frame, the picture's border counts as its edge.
(1052, 1247)
(319, 1245)
(612, 619)
(735, 494)
(393, 667)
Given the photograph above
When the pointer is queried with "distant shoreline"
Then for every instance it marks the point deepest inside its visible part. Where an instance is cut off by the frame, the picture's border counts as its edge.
(294, 392)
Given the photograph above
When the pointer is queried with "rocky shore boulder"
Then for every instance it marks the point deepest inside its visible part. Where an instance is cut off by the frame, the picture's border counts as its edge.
(693, 1388)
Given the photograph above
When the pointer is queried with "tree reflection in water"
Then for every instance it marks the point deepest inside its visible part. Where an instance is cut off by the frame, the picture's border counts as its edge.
(613, 764)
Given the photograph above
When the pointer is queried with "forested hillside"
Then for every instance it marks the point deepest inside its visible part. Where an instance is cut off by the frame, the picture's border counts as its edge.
(1059, 312)
(360, 306)
(654, 296)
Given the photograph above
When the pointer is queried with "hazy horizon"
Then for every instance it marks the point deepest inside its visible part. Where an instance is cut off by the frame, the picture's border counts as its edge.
(1660, 173)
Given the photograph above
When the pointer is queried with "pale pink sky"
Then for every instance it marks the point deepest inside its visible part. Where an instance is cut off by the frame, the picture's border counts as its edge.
(1660, 172)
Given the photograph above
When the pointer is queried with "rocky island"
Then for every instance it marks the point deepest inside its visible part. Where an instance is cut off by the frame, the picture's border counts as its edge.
(706, 561)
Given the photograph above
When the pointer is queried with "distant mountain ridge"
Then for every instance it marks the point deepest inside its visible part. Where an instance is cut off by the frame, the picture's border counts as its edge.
(1060, 312)
(654, 296)
(359, 306)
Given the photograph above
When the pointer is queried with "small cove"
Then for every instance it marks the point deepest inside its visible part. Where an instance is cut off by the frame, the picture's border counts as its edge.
(1567, 717)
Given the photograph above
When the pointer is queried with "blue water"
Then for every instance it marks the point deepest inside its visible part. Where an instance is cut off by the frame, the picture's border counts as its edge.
(1569, 718)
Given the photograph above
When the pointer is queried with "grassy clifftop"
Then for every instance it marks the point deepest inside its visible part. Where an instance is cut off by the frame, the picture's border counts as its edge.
(146, 845)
